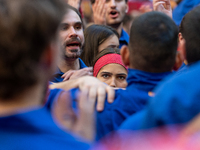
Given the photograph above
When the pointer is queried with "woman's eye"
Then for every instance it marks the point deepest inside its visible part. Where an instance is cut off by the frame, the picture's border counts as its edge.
(105, 76)
(121, 77)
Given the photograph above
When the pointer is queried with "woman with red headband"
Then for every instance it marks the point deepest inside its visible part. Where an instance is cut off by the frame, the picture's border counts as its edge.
(109, 68)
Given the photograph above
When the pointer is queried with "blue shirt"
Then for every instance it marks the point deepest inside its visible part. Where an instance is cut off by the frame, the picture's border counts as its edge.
(176, 101)
(129, 101)
(35, 129)
(57, 77)
(124, 39)
(184, 7)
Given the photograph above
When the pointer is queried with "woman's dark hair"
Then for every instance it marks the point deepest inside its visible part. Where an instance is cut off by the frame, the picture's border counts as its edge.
(93, 1)
(94, 36)
(106, 51)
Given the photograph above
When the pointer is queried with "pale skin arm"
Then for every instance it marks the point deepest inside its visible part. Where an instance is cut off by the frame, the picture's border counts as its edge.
(74, 74)
(96, 88)
(163, 6)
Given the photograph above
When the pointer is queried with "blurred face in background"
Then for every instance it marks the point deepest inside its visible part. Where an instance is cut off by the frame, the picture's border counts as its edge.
(112, 41)
(116, 10)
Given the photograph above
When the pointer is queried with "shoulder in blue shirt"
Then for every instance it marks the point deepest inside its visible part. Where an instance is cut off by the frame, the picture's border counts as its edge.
(129, 101)
(35, 129)
(176, 101)
(184, 7)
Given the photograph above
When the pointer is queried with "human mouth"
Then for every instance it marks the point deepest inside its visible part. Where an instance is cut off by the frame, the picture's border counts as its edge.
(73, 44)
(114, 14)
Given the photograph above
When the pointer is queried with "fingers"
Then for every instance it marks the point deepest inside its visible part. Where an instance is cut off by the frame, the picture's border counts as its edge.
(145, 8)
(90, 71)
(101, 98)
(101, 7)
(85, 125)
(97, 90)
(68, 75)
(62, 111)
(165, 3)
(81, 72)
(159, 6)
(92, 93)
(87, 99)
(111, 94)
(99, 11)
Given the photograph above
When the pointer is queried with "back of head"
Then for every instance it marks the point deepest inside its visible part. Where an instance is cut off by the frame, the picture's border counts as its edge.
(190, 29)
(27, 27)
(153, 42)
(94, 36)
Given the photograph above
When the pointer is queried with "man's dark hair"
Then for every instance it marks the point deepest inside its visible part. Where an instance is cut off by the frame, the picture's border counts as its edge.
(27, 27)
(153, 42)
(190, 29)
(69, 7)
(93, 1)
(94, 36)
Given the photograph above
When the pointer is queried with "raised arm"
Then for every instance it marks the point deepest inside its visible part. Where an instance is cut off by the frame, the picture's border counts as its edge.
(163, 6)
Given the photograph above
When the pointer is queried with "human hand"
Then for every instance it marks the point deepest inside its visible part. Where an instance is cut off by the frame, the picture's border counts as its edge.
(163, 6)
(75, 3)
(99, 12)
(145, 8)
(74, 74)
(83, 123)
(97, 90)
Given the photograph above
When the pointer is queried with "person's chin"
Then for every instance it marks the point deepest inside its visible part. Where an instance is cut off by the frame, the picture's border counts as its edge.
(73, 55)
(114, 21)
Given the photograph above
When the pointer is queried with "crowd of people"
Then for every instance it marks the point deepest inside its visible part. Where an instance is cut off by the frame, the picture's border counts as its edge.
(67, 85)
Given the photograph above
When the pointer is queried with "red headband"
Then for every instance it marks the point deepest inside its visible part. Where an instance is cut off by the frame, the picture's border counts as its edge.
(107, 59)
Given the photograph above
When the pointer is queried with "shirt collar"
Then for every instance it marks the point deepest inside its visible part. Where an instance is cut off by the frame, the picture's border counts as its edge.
(145, 80)
(124, 36)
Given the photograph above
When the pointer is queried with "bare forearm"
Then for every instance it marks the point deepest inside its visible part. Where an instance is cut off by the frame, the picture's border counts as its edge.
(66, 85)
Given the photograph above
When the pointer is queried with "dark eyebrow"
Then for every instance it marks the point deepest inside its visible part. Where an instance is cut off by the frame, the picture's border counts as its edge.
(113, 46)
(122, 74)
(64, 24)
(104, 72)
(78, 23)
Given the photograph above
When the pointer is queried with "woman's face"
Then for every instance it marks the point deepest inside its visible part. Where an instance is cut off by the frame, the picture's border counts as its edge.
(114, 75)
(112, 41)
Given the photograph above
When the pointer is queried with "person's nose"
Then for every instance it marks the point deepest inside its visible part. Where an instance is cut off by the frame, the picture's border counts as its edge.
(112, 4)
(113, 82)
(72, 32)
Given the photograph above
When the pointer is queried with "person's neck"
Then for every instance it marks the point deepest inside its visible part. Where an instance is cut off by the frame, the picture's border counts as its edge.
(118, 28)
(69, 64)
(31, 98)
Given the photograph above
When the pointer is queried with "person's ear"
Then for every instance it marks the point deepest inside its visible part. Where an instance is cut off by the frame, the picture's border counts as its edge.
(182, 48)
(179, 61)
(125, 55)
(180, 37)
(127, 8)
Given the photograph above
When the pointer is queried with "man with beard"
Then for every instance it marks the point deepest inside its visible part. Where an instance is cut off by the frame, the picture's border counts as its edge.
(111, 13)
(71, 41)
